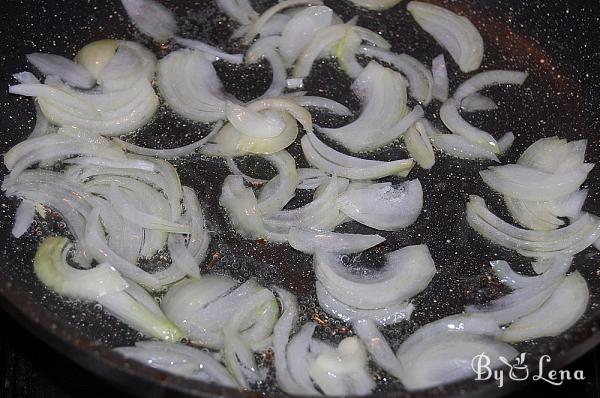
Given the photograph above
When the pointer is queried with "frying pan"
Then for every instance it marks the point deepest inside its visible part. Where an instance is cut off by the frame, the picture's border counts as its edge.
(556, 42)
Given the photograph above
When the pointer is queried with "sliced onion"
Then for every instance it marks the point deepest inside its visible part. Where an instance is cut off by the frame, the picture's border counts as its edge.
(569, 240)
(232, 142)
(384, 206)
(23, 218)
(419, 147)
(180, 360)
(557, 266)
(477, 102)
(127, 65)
(264, 17)
(312, 241)
(453, 32)
(440, 78)
(384, 106)
(488, 78)
(561, 311)
(322, 103)
(406, 272)
(526, 183)
(239, 10)
(266, 48)
(281, 189)
(112, 113)
(301, 29)
(249, 122)
(96, 55)
(457, 146)
(189, 84)
(151, 18)
(288, 105)
(505, 142)
(420, 79)
(70, 72)
(299, 357)
(389, 315)
(378, 347)
(455, 123)
(210, 50)
(343, 371)
(323, 39)
(376, 5)
(447, 357)
(311, 178)
(333, 162)
(241, 206)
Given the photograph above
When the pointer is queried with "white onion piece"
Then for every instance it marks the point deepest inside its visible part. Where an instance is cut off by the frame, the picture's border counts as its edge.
(100, 251)
(239, 10)
(526, 183)
(254, 124)
(210, 50)
(96, 55)
(231, 142)
(112, 113)
(273, 27)
(42, 125)
(312, 241)
(333, 162)
(488, 78)
(477, 102)
(57, 146)
(518, 303)
(286, 105)
(553, 155)
(151, 18)
(505, 142)
(139, 310)
(420, 79)
(322, 103)
(281, 189)
(378, 347)
(419, 147)
(241, 206)
(26, 78)
(453, 32)
(266, 48)
(447, 357)
(300, 356)
(301, 29)
(564, 307)
(129, 62)
(51, 267)
(383, 93)
(529, 218)
(265, 16)
(376, 5)
(318, 214)
(569, 240)
(384, 206)
(323, 39)
(440, 78)
(180, 360)
(459, 147)
(311, 178)
(68, 71)
(455, 123)
(343, 371)
(281, 335)
(556, 267)
(189, 84)
(23, 218)
(171, 153)
(406, 272)
(390, 315)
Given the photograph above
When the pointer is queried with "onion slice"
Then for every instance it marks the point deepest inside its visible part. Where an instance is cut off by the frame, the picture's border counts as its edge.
(406, 272)
(384, 206)
(453, 32)
(70, 72)
(312, 241)
(151, 18)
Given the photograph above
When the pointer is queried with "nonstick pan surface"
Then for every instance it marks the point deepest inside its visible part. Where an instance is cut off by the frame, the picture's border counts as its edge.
(556, 42)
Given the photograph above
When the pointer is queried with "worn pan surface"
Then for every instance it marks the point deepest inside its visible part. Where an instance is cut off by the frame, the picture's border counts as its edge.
(556, 42)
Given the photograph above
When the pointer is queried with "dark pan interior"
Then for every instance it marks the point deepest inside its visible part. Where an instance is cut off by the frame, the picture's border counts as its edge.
(556, 42)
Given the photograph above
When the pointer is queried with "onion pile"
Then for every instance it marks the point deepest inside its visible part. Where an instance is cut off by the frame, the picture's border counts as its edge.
(124, 205)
